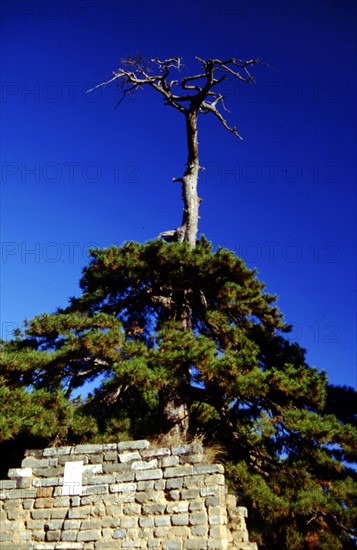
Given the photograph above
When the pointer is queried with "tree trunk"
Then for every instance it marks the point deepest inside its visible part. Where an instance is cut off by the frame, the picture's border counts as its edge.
(189, 227)
(175, 412)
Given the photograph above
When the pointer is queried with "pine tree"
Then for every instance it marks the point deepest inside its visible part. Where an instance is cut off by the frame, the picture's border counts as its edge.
(180, 337)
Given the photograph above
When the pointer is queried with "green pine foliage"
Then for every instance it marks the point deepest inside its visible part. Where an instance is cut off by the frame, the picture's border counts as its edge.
(290, 437)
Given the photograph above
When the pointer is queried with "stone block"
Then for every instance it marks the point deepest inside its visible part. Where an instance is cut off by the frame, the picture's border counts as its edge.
(47, 482)
(169, 461)
(144, 465)
(198, 518)
(214, 479)
(28, 503)
(133, 445)
(54, 524)
(129, 456)
(41, 514)
(189, 494)
(174, 483)
(179, 519)
(89, 535)
(80, 512)
(111, 456)
(44, 502)
(199, 530)
(100, 479)
(196, 506)
(143, 475)
(116, 468)
(119, 534)
(158, 452)
(53, 536)
(153, 509)
(208, 469)
(17, 472)
(59, 513)
(31, 462)
(57, 451)
(178, 471)
(131, 509)
(60, 502)
(162, 521)
(146, 522)
(177, 507)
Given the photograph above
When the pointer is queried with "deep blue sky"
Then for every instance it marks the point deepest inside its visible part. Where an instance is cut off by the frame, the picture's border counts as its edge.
(77, 173)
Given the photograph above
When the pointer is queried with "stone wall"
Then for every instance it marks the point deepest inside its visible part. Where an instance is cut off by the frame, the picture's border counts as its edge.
(119, 495)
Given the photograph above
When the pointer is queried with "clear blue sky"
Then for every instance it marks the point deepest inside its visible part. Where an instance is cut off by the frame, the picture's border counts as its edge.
(76, 173)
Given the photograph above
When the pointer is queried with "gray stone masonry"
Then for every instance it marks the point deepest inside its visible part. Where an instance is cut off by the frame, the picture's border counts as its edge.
(119, 495)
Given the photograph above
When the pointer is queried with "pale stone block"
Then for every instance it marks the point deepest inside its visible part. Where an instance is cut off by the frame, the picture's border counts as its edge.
(144, 465)
(129, 456)
(18, 472)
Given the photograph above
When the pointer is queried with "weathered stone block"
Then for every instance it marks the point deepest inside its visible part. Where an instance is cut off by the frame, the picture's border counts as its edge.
(15, 473)
(179, 519)
(178, 471)
(59, 513)
(111, 456)
(133, 445)
(131, 509)
(160, 451)
(169, 461)
(199, 530)
(90, 534)
(162, 521)
(176, 507)
(143, 475)
(119, 534)
(174, 483)
(40, 514)
(197, 518)
(57, 451)
(189, 494)
(146, 522)
(153, 509)
(129, 456)
(208, 469)
(53, 536)
(196, 506)
(144, 465)
(80, 512)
